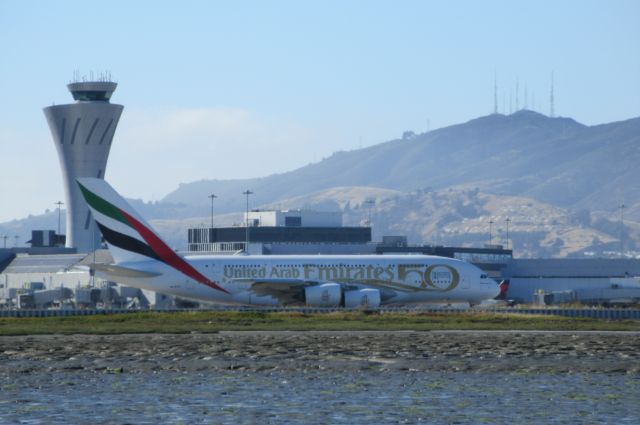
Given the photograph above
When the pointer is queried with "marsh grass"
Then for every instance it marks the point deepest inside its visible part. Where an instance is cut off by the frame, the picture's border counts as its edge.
(207, 322)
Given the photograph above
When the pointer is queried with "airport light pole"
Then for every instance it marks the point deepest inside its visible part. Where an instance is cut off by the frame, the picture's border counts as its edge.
(622, 207)
(247, 193)
(490, 232)
(212, 196)
(5, 240)
(59, 203)
(508, 220)
(370, 203)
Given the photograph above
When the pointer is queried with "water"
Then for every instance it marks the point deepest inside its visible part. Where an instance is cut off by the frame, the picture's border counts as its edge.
(349, 397)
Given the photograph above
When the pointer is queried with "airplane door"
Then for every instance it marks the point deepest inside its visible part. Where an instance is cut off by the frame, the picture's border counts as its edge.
(213, 272)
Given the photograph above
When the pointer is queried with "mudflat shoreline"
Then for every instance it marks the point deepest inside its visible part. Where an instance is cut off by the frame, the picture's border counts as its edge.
(455, 351)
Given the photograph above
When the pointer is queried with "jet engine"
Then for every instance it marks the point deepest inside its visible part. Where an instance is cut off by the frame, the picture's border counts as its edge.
(362, 298)
(325, 295)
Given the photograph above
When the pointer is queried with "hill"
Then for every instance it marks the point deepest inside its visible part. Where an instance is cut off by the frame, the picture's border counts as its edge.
(552, 160)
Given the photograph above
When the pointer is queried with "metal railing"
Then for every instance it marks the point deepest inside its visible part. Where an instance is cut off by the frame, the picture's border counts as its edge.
(609, 314)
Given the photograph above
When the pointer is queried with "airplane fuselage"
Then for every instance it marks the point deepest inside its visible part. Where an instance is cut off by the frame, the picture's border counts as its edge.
(351, 281)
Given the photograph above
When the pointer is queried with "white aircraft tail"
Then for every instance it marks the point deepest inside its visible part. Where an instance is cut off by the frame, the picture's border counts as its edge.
(129, 237)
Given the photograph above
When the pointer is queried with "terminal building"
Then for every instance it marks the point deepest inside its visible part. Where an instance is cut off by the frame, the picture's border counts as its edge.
(283, 232)
(587, 280)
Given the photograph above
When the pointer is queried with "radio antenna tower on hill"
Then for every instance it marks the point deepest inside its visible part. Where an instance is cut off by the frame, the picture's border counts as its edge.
(533, 100)
(504, 102)
(511, 101)
(495, 93)
(517, 94)
(552, 111)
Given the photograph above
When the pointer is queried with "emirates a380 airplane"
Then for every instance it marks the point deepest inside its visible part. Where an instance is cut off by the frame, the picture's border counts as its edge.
(144, 261)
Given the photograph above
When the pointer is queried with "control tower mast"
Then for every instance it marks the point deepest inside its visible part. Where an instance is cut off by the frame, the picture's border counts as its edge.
(82, 132)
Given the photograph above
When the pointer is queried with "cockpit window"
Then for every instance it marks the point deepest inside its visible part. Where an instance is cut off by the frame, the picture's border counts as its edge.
(483, 276)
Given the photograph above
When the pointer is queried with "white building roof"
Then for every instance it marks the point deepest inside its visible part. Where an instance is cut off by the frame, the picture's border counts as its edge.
(43, 263)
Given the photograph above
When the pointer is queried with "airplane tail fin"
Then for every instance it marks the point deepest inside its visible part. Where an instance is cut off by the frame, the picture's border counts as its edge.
(129, 237)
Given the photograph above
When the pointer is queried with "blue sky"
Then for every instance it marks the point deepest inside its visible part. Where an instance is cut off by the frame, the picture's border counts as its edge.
(248, 88)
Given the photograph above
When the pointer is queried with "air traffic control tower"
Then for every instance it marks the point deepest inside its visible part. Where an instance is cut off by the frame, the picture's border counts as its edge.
(82, 132)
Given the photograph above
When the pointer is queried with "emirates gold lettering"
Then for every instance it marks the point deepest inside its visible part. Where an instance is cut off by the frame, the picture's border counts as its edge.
(437, 277)
(245, 272)
(284, 273)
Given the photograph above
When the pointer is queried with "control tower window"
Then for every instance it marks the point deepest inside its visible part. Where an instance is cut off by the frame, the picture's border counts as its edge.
(91, 95)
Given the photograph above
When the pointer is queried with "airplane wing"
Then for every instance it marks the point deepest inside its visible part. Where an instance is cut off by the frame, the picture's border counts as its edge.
(372, 283)
(395, 286)
(287, 291)
(291, 291)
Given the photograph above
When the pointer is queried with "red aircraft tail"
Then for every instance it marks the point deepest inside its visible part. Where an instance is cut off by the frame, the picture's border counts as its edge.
(504, 288)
